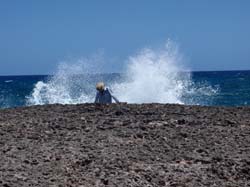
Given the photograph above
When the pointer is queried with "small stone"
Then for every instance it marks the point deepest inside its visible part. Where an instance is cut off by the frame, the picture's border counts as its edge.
(20, 177)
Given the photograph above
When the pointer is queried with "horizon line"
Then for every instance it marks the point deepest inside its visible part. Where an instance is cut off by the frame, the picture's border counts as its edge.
(195, 71)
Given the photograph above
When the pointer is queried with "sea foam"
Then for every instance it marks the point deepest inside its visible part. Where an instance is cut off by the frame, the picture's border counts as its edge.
(154, 76)
(150, 76)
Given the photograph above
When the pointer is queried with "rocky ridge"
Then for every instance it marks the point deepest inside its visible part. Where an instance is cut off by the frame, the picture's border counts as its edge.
(124, 145)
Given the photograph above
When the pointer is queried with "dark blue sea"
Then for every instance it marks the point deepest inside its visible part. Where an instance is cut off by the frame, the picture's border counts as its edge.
(214, 88)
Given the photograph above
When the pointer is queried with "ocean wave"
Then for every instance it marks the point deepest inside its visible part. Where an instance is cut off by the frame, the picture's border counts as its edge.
(151, 76)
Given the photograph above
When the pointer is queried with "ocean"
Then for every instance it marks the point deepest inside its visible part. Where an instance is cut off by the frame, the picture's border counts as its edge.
(213, 88)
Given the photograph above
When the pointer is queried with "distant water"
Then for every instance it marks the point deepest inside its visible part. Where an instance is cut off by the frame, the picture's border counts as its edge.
(225, 88)
(149, 76)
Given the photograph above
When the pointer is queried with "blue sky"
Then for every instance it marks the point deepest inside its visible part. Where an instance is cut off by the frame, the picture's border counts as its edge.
(36, 35)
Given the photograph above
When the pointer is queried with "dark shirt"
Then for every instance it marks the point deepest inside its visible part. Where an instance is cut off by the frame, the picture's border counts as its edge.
(103, 97)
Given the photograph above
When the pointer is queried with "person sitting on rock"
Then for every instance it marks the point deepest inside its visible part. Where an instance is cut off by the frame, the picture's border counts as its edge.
(103, 95)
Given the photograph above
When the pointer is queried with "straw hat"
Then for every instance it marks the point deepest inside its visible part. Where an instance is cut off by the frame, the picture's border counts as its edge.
(100, 86)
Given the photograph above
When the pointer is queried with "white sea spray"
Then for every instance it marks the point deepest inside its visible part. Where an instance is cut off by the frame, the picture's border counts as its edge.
(150, 76)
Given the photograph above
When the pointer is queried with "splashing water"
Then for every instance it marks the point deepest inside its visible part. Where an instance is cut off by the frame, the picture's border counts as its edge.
(65, 87)
(151, 76)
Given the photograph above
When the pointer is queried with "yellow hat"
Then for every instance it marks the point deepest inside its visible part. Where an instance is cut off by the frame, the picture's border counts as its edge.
(100, 86)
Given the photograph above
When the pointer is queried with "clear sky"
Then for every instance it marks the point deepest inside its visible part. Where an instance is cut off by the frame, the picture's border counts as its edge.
(36, 35)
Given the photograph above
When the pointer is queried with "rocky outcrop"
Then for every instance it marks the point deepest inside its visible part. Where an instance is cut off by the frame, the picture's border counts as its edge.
(124, 145)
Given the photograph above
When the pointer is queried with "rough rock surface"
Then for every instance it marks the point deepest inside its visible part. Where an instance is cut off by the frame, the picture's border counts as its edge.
(124, 145)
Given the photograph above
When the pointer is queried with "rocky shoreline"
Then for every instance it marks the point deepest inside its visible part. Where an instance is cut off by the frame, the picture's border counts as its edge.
(124, 145)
